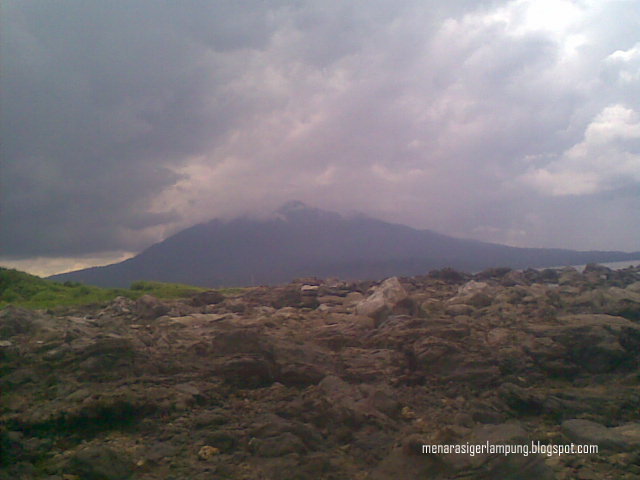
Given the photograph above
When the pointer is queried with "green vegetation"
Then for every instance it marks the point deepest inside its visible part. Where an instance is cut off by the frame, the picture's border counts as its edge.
(21, 289)
(165, 290)
(25, 290)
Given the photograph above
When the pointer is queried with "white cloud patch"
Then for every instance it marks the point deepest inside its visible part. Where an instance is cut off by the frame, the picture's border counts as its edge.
(46, 266)
(627, 63)
(608, 158)
(552, 16)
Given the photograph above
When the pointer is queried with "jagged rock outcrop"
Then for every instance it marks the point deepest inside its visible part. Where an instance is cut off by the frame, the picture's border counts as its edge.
(387, 298)
(329, 379)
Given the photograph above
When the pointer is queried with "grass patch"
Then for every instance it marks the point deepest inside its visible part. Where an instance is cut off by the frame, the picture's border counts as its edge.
(165, 290)
(24, 290)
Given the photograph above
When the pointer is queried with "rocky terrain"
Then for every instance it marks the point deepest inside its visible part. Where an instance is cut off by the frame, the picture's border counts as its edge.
(323, 379)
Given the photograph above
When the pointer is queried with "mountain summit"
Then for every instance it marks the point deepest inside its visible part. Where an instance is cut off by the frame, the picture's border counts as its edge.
(296, 210)
(293, 207)
(299, 240)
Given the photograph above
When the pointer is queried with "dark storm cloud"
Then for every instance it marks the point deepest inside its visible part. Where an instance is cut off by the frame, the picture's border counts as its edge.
(99, 98)
(506, 121)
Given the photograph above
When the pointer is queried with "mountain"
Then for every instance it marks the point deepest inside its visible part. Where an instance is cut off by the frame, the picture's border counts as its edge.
(302, 241)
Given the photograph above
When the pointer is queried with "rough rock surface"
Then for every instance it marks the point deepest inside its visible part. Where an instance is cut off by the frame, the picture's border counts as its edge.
(389, 297)
(330, 380)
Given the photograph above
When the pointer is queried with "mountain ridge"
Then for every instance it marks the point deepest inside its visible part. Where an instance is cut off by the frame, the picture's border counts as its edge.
(299, 241)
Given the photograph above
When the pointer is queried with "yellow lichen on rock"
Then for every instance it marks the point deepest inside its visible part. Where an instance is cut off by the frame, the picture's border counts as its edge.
(207, 452)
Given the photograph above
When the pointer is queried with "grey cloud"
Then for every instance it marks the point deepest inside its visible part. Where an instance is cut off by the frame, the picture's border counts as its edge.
(99, 100)
(125, 121)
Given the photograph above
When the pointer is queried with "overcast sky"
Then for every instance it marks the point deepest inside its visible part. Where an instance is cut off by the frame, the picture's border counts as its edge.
(124, 121)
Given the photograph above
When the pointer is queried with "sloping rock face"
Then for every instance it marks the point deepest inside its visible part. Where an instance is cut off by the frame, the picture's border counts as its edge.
(331, 380)
(387, 298)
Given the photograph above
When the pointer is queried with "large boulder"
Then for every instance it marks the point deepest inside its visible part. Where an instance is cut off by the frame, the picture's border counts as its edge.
(472, 295)
(586, 432)
(336, 403)
(148, 307)
(210, 297)
(592, 343)
(246, 371)
(389, 295)
(244, 357)
(624, 302)
(309, 296)
(275, 436)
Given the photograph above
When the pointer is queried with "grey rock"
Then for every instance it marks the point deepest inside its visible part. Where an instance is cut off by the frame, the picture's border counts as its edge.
(120, 306)
(631, 432)
(100, 463)
(347, 395)
(299, 374)
(570, 276)
(459, 309)
(210, 297)
(521, 399)
(16, 321)
(588, 432)
(503, 433)
(248, 371)
(277, 446)
(149, 307)
(595, 343)
(382, 301)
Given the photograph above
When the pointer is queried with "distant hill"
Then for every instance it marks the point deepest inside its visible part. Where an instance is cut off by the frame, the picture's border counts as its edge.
(300, 241)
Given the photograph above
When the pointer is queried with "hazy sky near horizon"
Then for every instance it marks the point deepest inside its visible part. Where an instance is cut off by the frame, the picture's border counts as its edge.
(515, 122)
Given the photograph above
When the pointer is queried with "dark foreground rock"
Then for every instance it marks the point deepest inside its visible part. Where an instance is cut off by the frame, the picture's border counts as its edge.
(331, 380)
